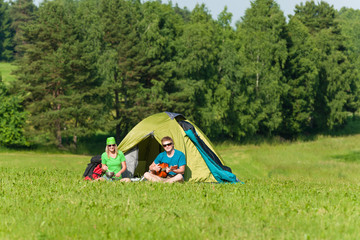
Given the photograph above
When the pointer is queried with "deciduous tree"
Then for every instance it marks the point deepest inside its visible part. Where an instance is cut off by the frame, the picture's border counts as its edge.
(263, 53)
(197, 72)
(334, 72)
(349, 20)
(12, 118)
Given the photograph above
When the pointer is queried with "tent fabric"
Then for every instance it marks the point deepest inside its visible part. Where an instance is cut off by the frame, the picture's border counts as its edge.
(132, 162)
(220, 174)
(174, 115)
(146, 137)
(200, 144)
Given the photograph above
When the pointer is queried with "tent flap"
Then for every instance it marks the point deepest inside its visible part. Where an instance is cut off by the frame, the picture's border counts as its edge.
(188, 126)
(220, 174)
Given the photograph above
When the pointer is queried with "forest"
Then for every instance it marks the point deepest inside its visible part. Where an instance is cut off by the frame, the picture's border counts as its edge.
(90, 66)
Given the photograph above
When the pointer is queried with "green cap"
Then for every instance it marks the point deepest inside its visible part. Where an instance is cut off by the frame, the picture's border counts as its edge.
(110, 140)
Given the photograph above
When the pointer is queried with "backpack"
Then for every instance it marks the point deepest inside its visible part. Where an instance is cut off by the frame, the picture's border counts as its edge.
(93, 170)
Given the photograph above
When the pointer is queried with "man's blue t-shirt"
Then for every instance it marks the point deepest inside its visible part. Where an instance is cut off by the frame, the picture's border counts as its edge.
(177, 159)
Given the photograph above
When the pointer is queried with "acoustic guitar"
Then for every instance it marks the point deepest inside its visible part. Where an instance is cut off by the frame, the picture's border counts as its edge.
(162, 172)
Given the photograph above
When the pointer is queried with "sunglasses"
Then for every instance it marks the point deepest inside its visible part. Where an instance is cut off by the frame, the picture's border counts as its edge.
(166, 145)
(112, 145)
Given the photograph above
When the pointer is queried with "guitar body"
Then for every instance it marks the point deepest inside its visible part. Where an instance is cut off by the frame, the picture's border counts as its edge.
(162, 173)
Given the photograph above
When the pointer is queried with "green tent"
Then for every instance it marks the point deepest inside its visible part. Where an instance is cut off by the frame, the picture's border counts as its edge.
(143, 143)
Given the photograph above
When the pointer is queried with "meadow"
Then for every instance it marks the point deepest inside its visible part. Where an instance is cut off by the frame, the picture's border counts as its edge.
(298, 190)
(6, 70)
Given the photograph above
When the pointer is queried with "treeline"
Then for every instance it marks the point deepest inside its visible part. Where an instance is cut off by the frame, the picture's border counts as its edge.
(90, 65)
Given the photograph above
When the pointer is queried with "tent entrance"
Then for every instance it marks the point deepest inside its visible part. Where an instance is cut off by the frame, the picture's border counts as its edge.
(139, 158)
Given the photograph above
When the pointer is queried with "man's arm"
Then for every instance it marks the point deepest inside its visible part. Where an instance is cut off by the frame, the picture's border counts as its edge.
(180, 170)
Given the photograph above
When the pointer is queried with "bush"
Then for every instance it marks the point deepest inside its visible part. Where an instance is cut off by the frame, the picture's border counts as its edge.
(12, 119)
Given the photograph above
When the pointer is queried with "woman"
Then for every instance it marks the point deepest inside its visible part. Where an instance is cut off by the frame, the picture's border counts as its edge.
(113, 162)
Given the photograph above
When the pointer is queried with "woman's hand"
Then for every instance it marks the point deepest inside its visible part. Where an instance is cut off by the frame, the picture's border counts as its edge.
(104, 167)
(118, 174)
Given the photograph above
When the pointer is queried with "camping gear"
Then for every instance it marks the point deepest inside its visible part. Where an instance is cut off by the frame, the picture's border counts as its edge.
(93, 170)
(143, 143)
(109, 174)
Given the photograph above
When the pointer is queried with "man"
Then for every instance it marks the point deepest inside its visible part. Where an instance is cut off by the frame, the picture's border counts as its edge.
(174, 158)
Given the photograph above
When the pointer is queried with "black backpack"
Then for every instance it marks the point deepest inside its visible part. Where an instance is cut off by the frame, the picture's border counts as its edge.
(89, 171)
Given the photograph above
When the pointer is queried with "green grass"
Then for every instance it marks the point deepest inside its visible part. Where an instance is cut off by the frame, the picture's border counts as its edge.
(301, 190)
(5, 71)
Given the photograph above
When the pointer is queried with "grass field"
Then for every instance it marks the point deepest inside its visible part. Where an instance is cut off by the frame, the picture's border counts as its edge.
(301, 190)
(5, 71)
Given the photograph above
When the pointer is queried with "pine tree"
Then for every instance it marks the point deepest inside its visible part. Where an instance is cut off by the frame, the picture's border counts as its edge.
(6, 33)
(21, 13)
(58, 73)
(120, 59)
(137, 61)
(158, 29)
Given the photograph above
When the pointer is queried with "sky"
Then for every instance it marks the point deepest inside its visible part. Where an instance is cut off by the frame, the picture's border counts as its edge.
(238, 7)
